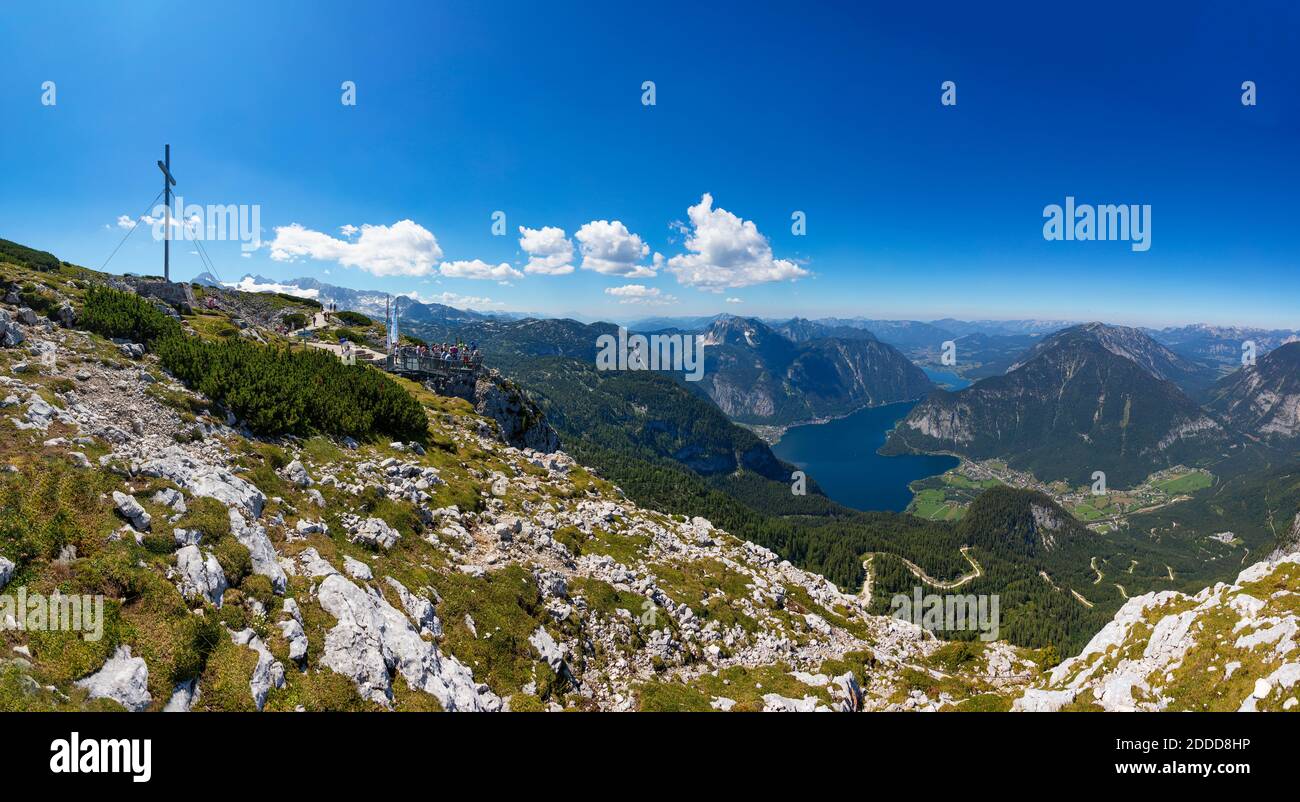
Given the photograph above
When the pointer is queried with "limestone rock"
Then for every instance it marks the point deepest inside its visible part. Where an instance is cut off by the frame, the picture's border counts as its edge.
(187, 537)
(357, 569)
(131, 510)
(372, 641)
(10, 334)
(208, 481)
(419, 608)
(374, 532)
(295, 472)
(184, 695)
(124, 679)
(200, 576)
(293, 632)
(171, 498)
(267, 674)
(776, 703)
(253, 537)
(849, 692)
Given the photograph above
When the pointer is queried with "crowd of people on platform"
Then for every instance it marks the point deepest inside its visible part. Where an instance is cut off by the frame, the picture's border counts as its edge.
(458, 354)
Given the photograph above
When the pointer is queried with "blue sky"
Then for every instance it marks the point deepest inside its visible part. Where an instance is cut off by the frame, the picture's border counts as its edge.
(914, 209)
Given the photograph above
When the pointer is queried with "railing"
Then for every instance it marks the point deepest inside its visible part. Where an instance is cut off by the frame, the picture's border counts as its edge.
(408, 362)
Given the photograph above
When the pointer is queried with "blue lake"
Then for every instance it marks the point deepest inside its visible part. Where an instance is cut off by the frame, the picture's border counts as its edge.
(841, 457)
(946, 379)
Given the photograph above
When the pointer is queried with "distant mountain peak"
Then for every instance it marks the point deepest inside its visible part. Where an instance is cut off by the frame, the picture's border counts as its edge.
(1136, 346)
(1089, 397)
(1263, 400)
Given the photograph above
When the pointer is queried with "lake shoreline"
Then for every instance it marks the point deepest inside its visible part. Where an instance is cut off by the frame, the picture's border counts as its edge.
(842, 456)
(771, 433)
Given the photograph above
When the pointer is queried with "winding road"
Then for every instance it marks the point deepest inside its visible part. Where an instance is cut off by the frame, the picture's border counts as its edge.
(975, 573)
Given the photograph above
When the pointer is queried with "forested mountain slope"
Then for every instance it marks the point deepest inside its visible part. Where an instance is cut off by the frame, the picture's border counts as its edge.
(1072, 406)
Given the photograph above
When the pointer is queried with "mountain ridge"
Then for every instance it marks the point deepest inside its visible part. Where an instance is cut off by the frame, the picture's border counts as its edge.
(1072, 406)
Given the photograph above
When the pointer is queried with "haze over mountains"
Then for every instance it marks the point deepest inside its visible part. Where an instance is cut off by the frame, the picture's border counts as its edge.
(984, 346)
(1054, 398)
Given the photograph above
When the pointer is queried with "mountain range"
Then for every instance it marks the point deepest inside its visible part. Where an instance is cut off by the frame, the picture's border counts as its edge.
(755, 374)
(1220, 346)
(1075, 395)
(1088, 398)
(366, 302)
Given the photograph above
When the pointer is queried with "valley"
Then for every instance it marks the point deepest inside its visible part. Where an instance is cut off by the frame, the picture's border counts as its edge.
(946, 497)
(1062, 559)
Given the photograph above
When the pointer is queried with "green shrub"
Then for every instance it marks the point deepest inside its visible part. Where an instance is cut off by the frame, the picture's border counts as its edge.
(112, 572)
(299, 300)
(159, 543)
(256, 586)
(236, 563)
(526, 703)
(353, 318)
(116, 314)
(22, 255)
(42, 302)
(48, 509)
(671, 697)
(225, 679)
(295, 320)
(208, 516)
(278, 391)
(196, 637)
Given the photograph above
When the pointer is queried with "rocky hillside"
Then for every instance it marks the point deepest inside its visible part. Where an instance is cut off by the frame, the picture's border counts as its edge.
(1263, 400)
(454, 570)
(457, 572)
(1229, 647)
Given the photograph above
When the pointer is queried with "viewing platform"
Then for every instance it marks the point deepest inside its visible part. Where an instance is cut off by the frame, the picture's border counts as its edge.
(411, 364)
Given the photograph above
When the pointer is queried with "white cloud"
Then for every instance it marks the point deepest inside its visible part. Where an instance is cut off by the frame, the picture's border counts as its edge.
(640, 294)
(454, 299)
(550, 253)
(250, 284)
(734, 301)
(194, 225)
(478, 269)
(348, 230)
(727, 251)
(403, 249)
(609, 248)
